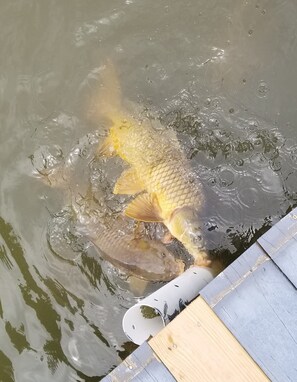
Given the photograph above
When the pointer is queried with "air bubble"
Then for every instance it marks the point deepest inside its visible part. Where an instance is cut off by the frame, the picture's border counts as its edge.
(226, 178)
(239, 162)
(263, 89)
(212, 181)
(276, 165)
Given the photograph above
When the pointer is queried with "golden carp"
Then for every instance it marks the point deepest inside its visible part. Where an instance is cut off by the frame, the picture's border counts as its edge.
(114, 237)
(159, 171)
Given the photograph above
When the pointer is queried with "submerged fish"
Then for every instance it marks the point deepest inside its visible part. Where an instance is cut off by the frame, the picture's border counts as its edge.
(159, 171)
(124, 247)
(115, 238)
(140, 256)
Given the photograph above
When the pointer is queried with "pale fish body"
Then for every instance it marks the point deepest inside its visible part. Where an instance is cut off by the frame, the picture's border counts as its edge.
(142, 257)
(158, 169)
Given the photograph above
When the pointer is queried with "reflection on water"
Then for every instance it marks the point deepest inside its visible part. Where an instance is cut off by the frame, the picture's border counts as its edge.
(220, 73)
(54, 335)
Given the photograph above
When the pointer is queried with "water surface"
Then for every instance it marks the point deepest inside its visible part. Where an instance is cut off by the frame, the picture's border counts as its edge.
(221, 73)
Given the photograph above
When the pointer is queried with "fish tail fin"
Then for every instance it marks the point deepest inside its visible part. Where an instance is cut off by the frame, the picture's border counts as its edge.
(106, 101)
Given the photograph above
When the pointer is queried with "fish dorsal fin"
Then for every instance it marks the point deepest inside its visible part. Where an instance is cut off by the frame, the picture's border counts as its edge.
(107, 100)
(145, 207)
(106, 149)
(128, 183)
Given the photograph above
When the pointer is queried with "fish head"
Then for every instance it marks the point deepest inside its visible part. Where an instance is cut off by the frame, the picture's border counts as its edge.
(154, 261)
(184, 224)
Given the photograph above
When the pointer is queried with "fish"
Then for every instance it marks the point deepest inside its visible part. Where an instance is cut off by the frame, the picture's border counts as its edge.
(159, 174)
(140, 256)
(114, 238)
(124, 246)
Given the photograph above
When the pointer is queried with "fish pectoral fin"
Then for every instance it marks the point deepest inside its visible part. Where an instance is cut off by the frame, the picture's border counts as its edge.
(107, 148)
(144, 207)
(128, 183)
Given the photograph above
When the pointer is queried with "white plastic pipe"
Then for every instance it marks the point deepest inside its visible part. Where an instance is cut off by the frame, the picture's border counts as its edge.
(151, 314)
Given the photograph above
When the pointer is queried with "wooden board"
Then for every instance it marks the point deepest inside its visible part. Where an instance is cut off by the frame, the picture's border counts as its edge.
(196, 346)
(280, 243)
(234, 275)
(141, 366)
(273, 240)
(258, 303)
(286, 259)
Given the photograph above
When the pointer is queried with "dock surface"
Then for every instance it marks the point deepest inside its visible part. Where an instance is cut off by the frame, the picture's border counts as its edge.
(242, 326)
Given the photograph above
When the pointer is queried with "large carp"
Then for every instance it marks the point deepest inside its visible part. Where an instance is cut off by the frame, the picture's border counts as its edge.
(159, 171)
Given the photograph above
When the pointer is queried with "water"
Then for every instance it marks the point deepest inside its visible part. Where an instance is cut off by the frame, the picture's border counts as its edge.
(221, 73)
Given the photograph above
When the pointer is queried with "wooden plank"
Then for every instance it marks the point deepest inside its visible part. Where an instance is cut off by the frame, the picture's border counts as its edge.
(286, 260)
(196, 346)
(234, 275)
(288, 224)
(274, 239)
(141, 366)
(261, 312)
(280, 243)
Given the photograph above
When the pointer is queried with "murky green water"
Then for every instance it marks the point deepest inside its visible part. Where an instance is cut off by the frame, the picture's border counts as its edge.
(221, 73)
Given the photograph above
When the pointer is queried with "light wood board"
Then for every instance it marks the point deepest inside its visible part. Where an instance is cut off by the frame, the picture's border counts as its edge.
(196, 346)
